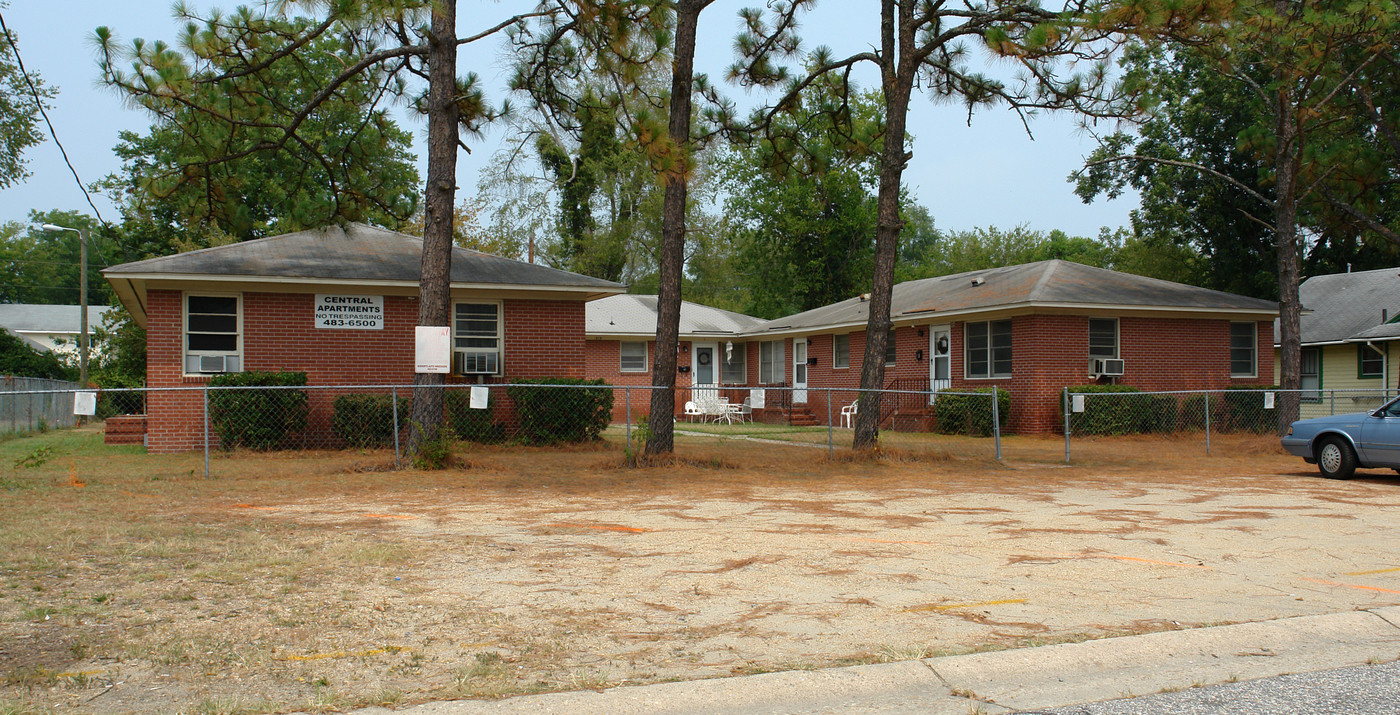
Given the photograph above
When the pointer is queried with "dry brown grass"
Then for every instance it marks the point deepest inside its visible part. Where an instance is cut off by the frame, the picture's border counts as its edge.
(312, 580)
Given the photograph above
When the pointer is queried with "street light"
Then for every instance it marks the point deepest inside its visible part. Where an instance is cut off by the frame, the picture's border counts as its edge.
(82, 299)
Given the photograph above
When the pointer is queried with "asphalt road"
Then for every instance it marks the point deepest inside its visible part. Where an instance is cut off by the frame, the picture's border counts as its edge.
(1355, 690)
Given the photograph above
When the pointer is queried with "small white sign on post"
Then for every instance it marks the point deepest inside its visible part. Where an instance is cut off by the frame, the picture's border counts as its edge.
(85, 403)
(1076, 403)
(349, 312)
(480, 395)
(432, 349)
(1268, 400)
(756, 397)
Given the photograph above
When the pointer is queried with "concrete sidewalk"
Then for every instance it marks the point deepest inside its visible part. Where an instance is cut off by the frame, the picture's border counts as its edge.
(1001, 681)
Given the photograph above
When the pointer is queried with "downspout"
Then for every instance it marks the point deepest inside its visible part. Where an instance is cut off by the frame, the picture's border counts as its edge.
(1385, 370)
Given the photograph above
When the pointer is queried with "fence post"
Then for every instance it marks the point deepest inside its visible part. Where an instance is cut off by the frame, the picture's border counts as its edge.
(1333, 397)
(1064, 402)
(830, 431)
(1207, 423)
(996, 420)
(627, 395)
(394, 400)
(206, 432)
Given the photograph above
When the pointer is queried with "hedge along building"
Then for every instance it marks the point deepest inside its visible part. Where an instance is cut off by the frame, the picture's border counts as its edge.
(339, 304)
(621, 349)
(1031, 329)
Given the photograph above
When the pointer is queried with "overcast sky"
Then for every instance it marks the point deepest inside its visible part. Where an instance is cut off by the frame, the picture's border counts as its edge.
(991, 173)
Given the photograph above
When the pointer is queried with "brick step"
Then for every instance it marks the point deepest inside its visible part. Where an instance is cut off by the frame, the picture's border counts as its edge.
(124, 438)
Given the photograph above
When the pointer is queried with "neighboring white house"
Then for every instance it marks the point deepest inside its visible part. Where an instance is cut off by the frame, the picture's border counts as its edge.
(53, 328)
(1347, 331)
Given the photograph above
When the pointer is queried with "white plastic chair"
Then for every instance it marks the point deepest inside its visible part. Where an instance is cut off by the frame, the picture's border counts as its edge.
(848, 414)
(746, 410)
(692, 411)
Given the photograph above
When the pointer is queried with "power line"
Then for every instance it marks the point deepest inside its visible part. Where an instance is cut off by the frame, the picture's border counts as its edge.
(38, 102)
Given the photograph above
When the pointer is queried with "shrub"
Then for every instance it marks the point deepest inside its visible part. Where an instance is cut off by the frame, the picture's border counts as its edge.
(261, 418)
(473, 425)
(550, 411)
(1242, 410)
(121, 403)
(967, 412)
(1130, 412)
(367, 420)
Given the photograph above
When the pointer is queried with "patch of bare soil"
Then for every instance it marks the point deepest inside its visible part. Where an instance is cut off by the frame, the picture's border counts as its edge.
(310, 582)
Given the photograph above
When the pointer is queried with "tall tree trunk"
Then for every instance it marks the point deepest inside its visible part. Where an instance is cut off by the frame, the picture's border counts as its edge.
(661, 424)
(435, 281)
(897, 80)
(1287, 154)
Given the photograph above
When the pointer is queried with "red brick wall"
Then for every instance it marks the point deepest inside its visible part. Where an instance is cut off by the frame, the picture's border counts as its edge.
(542, 338)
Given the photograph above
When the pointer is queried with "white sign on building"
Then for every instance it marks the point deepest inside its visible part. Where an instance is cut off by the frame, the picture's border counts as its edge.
(350, 312)
(432, 349)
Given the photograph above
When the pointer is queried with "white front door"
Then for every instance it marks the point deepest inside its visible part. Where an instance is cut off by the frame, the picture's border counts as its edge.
(704, 372)
(799, 371)
(940, 360)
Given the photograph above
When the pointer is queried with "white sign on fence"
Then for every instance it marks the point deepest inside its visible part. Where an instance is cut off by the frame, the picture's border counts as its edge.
(85, 403)
(432, 349)
(349, 312)
(480, 395)
(1076, 403)
(1268, 400)
(756, 397)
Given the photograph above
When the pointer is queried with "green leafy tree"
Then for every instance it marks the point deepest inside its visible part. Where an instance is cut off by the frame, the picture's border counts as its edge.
(20, 359)
(801, 205)
(19, 110)
(408, 48)
(38, 266)
(223, 165)
(991, 247)
(924, 46)
(1299, 62)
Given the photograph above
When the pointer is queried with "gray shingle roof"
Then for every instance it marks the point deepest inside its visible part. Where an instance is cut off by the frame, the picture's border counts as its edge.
(636, 315)
(36, 318)
(1052, 283)
(1347, 306)
(356, 252)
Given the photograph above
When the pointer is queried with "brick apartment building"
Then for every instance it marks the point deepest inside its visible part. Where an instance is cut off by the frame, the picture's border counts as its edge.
(339, 304)
(1031, 329)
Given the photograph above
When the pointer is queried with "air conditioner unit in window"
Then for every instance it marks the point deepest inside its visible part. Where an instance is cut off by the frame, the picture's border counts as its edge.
(1099, 367)
(474, 363)
(213, 363)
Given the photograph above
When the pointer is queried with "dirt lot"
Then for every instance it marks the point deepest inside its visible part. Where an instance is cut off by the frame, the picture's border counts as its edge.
(323, 581)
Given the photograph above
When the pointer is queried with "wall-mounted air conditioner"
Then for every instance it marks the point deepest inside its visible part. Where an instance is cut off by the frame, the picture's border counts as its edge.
(210, 364)
(475, 363)
(1099, 367)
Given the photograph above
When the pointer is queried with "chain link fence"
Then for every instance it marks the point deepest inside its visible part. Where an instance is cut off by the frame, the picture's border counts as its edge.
(1200, 414)
(35, 404)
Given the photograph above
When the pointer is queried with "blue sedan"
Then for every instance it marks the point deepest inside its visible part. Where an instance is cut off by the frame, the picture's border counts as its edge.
(1341, 443)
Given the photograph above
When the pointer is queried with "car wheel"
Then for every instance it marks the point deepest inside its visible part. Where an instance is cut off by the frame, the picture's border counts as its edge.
(1335, 459)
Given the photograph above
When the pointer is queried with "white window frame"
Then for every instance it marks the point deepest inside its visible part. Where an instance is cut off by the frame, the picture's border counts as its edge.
(773, 365)
(186, 352)
(1253, 349)
(891, 348)
(1117, 338)
(992, 374)
(741, 357)
(500, 336)
(622, 365)
(840, 359)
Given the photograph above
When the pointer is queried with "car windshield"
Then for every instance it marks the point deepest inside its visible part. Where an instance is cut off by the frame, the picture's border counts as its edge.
(1389, 410)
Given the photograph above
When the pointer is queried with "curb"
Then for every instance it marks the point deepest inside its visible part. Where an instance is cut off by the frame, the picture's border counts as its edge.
(999, 681)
